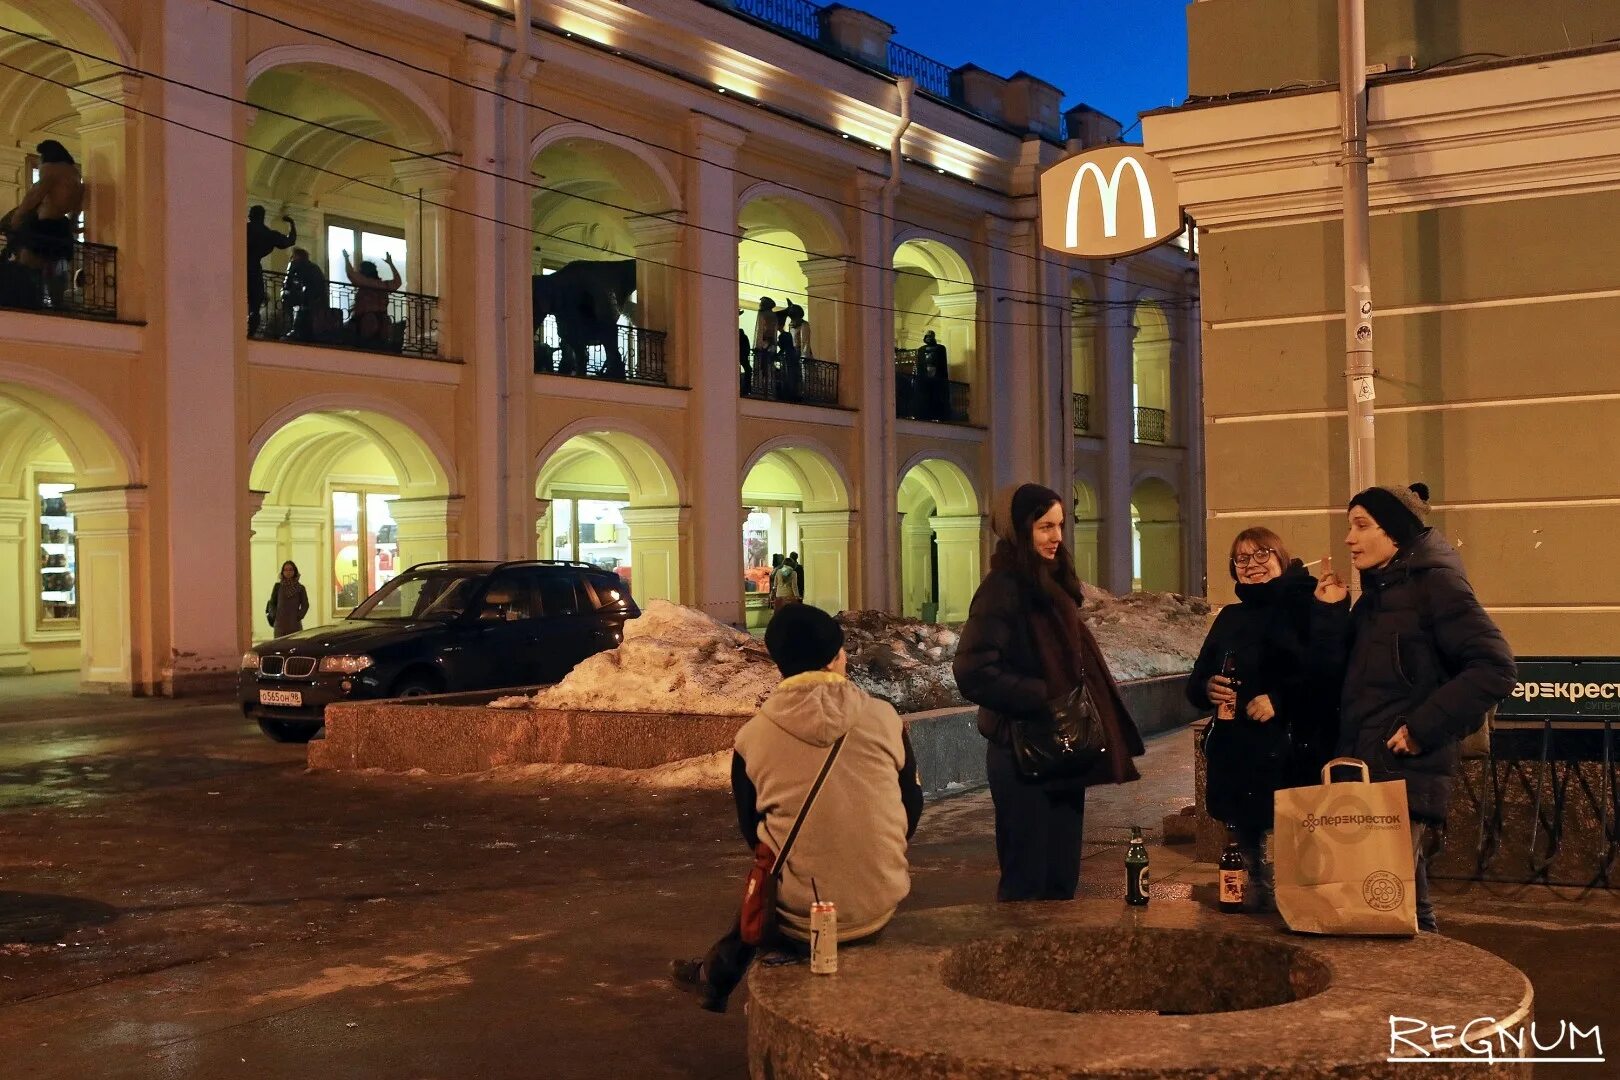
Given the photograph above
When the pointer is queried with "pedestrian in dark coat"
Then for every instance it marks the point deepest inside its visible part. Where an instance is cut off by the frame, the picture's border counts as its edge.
(1024, 647)
(289, 603)
(1422, 662)
(1284, 707)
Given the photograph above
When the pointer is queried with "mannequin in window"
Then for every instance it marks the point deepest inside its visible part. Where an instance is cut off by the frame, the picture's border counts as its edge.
(42, 229)
(934, 370)
(369, 319)
(261, 241)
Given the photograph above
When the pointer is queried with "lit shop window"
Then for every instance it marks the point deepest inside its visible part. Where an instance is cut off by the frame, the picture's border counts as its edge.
(365, 545)
(58, 577)
(592, 531)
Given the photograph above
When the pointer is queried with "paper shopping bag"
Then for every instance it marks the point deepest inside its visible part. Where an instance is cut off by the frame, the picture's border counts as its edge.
(1343, 856)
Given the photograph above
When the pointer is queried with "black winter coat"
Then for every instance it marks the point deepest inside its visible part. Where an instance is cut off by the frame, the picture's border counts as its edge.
(1268, 634)
(1418, 649)
(998, 665)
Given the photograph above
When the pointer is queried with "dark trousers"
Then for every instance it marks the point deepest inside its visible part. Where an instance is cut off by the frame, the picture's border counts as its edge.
(1038, 833)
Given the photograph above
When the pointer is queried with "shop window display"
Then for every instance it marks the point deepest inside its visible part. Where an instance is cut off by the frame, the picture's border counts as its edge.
(592, 531)
(58, 576)
(365, 545)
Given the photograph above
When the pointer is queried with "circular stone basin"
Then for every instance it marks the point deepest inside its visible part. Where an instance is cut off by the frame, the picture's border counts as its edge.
(1092, 988)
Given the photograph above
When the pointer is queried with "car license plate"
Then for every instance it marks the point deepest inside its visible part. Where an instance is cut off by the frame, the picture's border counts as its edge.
(280, 697)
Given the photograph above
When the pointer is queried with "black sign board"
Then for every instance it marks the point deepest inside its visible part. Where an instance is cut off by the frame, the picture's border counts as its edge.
(1568, 688)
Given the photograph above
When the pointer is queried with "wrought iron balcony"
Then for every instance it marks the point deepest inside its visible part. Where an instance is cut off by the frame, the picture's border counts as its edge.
(1082, 413)
(409, 326)
(640, 359)
(85, 284)
(932, 76)
(794, 16)
(816, 381)
(1150, 426)
(920, 396)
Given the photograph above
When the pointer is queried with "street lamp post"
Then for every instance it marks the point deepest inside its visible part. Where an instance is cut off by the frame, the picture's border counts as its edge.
(1358, 308)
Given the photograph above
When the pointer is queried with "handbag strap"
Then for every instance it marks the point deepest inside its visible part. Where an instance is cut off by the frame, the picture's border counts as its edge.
(787, 846)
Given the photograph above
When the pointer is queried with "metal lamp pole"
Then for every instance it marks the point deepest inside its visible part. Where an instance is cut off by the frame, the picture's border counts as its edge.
(1358, 308)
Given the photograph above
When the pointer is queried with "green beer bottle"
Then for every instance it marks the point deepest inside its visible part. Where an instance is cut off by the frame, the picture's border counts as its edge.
(1136, 870)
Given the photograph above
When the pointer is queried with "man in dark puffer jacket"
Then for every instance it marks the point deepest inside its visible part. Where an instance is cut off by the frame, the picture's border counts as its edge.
(1422, 660)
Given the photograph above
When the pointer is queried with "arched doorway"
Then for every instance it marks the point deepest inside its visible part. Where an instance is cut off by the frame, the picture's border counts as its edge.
(795, 500)
(940, 541)
(1150, 373)
(52, 88)
(1156, 537)
(352, 497)
(69, 520)
(789, 253)
(1087, 528)
(934, 293)
(611, 500)
(598, 200)
(1083, 319)
(356, 163)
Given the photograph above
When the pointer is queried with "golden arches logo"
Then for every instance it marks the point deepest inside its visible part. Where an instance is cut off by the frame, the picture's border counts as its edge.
(1108, 202)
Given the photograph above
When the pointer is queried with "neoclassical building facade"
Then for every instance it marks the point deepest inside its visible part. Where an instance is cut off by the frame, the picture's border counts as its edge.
(175, 423)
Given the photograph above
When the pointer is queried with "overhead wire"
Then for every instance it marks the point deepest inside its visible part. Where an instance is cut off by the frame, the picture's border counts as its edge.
(475, 215)
(652, 144)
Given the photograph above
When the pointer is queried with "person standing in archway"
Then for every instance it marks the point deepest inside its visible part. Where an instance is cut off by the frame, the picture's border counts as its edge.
(289, 603)
(785, 583)
(1024, 651)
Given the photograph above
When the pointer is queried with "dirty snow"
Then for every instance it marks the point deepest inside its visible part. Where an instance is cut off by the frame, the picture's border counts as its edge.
(679, 660)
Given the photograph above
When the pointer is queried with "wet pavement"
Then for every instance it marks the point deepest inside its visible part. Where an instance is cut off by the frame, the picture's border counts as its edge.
(180, 897)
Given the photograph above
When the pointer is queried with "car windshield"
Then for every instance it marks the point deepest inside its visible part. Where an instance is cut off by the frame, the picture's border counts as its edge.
(441, 593)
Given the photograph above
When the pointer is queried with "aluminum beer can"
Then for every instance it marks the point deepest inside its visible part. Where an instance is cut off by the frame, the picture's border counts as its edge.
(823, 937)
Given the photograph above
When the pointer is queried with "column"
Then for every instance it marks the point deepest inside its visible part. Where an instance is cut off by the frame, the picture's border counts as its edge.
(543, 548)
(1161, 555)
(1054, 367)
(871, 364)
(1009, 362)
(958, 332)
(824, 537)
(656, 534)
(17, 599)
(305, 537)
(1194, 503)
(959, 541)
(1115, 414)
(710, 340)
(658, 286)
(13, 181)
(916, 552)
(112, 196)
(828, 290)
(268, 538)
(426, 186)
(1086, 550)
(428, 528)
(108, 525)
(202, 439)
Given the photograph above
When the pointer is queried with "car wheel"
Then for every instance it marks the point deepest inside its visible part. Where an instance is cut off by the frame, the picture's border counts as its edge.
(290, 731)
(415, 686)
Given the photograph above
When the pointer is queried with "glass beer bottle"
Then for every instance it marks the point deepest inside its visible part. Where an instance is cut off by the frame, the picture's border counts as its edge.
(1136, 870)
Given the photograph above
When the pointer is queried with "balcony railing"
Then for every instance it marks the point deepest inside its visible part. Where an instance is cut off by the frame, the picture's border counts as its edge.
(86, 284)
(770, 380)
(410, 328)
(932, 76)
(1150, 426)
(640, 356)
(1082, 413)
(795, 16)
(919, 396)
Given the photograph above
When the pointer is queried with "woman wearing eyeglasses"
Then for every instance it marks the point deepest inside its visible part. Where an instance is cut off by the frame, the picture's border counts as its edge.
(1274, 714)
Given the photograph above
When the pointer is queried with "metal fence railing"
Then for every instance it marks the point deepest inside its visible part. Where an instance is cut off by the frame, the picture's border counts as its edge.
(1082, 413)
(84, 284)
(813, 382)
(795, 16)
(920, 396)
(408, 326)
(1151, 426)
(641, 356)
(932, 76)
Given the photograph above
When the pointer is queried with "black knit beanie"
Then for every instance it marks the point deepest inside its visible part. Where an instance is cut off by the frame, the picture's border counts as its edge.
(1402, 512)
(802, 638)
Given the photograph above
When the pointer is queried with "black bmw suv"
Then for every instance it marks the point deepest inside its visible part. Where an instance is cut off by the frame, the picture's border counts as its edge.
(437, 628)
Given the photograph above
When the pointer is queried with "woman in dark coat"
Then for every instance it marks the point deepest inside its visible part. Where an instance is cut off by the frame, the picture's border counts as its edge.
(1284, 729)
(289, 603)
(1422, 662)
(1025, 646)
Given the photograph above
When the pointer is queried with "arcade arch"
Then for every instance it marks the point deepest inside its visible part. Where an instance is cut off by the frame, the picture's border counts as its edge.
(1156, 537)
(609, 498)
(69, 525)
(941, 526)
(934, 293)
(795, 500)
(791, 252)
(352, 496)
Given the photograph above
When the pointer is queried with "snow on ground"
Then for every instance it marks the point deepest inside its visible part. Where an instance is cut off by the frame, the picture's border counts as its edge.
(680, 660)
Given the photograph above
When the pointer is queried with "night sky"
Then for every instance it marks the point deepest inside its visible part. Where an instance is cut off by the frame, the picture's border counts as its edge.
(1120, 56)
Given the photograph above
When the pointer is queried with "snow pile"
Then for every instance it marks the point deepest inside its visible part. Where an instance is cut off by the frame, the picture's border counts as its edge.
(673, 660)
(679, 660)
(710, 772)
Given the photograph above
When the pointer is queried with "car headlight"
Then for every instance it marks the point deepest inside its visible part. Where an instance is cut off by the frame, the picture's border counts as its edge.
(250, 661)
(345, 665)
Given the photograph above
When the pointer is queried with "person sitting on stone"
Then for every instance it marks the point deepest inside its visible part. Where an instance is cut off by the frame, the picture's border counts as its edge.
(42, 228)
(303, 293)
(851, 847)
(369, 317)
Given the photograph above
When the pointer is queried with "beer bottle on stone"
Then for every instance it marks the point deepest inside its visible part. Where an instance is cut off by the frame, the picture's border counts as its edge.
(1136, 870)
(1234, 876)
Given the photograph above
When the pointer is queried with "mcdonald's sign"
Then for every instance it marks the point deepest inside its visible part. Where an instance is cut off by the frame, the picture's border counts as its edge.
(1108, 202)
